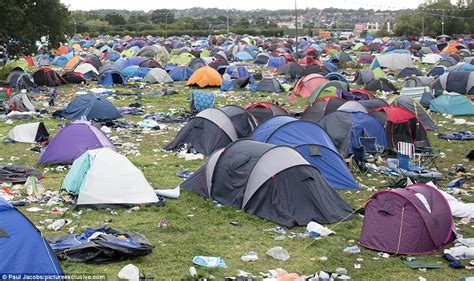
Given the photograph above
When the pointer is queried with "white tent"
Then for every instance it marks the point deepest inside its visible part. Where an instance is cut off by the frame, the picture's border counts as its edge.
(29, 133)
(157, 75)
(83, 68)
(393, 61)
(431, 58)
(104, 177)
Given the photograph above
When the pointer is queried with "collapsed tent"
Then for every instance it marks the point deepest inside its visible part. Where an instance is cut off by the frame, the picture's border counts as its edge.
(29, 133)
(72, 141)
(101, 245)
(47, 77)
(91, 107)
(415, 107)
(260, 178)
(102, 177)
(214, 128)
(453, 104)
(264, 110)
(17, 173)
(346, 128)
(411, 220)
(23, 248)
(320, 108)
(401, 126)
(312, 142)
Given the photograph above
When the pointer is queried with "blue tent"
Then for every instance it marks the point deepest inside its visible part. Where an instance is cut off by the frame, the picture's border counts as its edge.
(22, 247)
(454, 104)
(346, 128)
(111, 77)
(276, 62)
(237, 71)
(181, 73)
(336, 76)
(243, 56)
(330, 67)
(312, 142)
(113, 56)
(61, 60)
(91, 107)
(135, 71)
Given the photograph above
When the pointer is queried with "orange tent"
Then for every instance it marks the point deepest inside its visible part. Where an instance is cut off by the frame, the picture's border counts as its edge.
(73, 62)
(205, 77)
(61, 50)
(451, 48)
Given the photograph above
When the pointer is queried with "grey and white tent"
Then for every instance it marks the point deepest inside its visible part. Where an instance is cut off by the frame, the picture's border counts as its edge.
(21, 102)
(420, 81)
(393, 61)
(102, 177)
(363, 76)
(29, 133)
(458, 82)
(214, 128)
(352, 106)
(272, 182)
(158, 75)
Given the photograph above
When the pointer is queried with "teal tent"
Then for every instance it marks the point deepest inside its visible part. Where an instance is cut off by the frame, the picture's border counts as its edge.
(452, 103)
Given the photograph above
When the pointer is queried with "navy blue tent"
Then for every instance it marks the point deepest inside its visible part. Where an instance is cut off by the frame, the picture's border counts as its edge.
(181, 73)
(237, 71)
(276, 62)
(345, 128)
(91, 107)
(23, 249)
(312, 142)
(111, 77)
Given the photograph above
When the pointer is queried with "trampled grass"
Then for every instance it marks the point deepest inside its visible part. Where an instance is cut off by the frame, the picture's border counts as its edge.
(198, 227)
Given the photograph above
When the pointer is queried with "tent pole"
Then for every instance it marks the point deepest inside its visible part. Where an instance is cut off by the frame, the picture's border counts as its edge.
(296, 30)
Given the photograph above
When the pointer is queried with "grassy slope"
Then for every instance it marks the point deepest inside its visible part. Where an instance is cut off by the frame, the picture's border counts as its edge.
(208, 232)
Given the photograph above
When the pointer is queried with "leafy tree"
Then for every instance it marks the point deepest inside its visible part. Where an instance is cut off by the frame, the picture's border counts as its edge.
(115, 19)
(243, 23)
(26, 21)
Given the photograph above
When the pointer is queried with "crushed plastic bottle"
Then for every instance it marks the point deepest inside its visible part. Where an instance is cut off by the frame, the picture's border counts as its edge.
(352, 250)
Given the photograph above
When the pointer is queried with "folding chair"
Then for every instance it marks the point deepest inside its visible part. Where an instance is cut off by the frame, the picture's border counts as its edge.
(370, 145)
(427, 155)
(408, 149)
(358, 158)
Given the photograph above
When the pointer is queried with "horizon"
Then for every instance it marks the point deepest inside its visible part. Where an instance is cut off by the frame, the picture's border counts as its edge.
(246, 5)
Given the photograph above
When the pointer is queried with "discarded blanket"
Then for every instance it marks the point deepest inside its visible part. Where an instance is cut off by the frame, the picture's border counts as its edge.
(461, 135)
(17, 173)
(101, 245)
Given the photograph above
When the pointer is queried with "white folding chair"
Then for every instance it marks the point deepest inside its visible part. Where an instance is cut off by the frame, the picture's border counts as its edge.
(408, 149)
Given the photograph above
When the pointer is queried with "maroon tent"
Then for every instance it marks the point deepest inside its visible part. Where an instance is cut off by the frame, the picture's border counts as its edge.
(412, 220)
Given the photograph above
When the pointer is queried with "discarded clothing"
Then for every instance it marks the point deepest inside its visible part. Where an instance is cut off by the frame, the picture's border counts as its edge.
(17, 173)
(101, 245)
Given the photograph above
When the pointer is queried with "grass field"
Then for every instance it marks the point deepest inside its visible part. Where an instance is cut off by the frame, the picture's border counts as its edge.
(198, 227)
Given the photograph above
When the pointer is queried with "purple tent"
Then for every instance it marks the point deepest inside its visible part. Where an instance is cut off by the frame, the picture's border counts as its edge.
(367, 59)
(73, 140)
(123, 63)
(411, 220)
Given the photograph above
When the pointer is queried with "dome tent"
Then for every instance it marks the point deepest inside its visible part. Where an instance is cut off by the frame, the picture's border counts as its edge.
(214, 128)
(412, 220)
(103, 177)
(415, 107)
(73, 140)
(205, 77)
(264, 110)
(259, 179)
(312, 142)
(24, 250)
(345, 129)
(157, 75)
(91, 107)
(320, 108)
(29, 133)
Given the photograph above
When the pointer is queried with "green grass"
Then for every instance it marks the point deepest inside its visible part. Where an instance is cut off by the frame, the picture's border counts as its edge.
(208, 231)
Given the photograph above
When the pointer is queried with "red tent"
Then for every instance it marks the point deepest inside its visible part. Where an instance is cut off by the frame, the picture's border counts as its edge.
(306, 85)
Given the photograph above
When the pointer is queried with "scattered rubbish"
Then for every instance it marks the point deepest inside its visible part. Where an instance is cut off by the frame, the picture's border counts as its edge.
(169, 193)
(163, 223)
(57, 224)
(278, 253)
(192, 271)
(317, 228)
(207, 261)
(251, 256)
(34, 209)
(129, 272)
(352, 250)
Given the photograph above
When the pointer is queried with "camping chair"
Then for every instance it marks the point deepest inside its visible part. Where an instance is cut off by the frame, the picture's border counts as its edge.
(408, 149)
(427, 156)
(370, 145)
(359, 159)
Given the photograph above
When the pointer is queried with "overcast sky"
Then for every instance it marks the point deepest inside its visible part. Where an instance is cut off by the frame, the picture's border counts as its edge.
(147, 5)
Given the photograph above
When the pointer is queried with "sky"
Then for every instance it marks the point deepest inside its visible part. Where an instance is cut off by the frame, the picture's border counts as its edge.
(147, 5)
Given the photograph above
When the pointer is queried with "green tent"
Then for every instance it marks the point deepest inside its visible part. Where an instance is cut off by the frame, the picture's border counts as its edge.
(329, 89)
(183, 59)
(11, 65)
